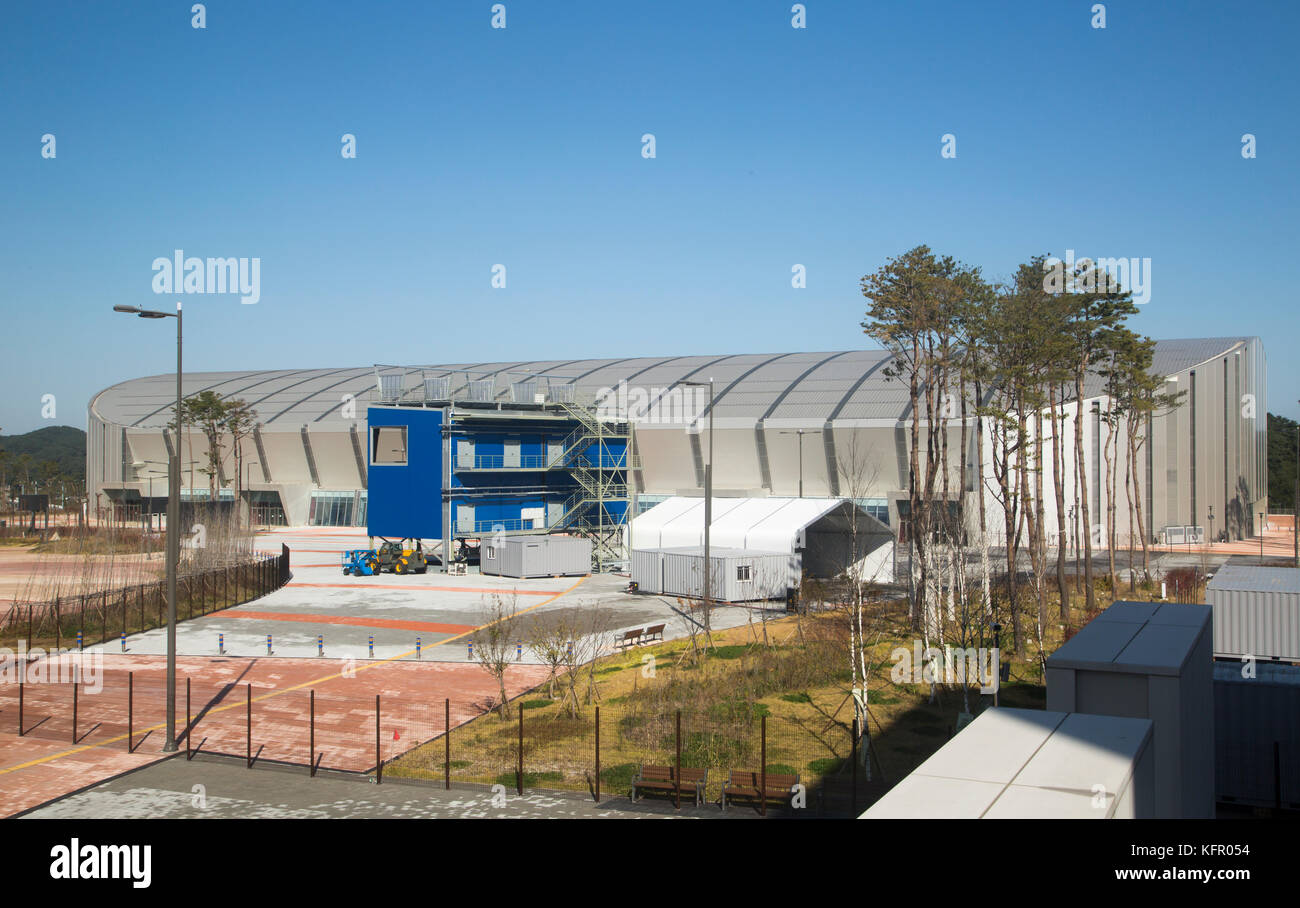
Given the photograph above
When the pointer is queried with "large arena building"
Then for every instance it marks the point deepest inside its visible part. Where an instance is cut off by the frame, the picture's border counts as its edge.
(517, 441)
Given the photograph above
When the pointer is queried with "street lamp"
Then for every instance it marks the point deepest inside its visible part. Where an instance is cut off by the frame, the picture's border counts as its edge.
(708, 500)
(249, 491)
(173, 524)
(801, 433)
(1261, 537)
(1210, 538)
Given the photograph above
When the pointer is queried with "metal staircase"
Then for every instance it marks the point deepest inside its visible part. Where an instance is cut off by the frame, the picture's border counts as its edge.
(601, 474)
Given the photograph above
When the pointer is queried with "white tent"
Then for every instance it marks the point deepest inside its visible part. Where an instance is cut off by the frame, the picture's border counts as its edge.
(818, 530)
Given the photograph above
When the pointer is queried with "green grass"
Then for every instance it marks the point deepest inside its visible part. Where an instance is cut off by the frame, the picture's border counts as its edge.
(800, 697)
(825, 766)
(619, 778)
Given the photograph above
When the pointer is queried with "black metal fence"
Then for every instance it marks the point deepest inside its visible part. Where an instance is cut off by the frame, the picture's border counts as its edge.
(601, 751)
(95, 618)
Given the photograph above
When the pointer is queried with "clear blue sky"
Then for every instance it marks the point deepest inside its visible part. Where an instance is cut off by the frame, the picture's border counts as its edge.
(522, 146)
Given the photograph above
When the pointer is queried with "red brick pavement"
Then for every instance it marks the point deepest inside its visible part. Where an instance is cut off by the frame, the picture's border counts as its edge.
(45, 763)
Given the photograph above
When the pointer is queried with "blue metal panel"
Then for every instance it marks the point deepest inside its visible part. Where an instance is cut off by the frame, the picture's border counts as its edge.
(406, 500)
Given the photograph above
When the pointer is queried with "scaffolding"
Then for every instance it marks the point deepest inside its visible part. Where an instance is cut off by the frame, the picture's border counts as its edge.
(596, 455)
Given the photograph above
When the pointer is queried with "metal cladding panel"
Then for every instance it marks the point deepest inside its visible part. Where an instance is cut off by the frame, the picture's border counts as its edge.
(647, 570)
(405, 500)
(1256, 612)
(1256, 735)
(682, 573)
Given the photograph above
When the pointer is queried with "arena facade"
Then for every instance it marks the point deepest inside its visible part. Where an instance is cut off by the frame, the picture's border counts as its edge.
(785, 424)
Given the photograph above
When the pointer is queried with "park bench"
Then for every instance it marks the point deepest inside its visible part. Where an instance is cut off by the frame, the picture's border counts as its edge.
(653, 633)
(748, 784)
(631, 638)
(662, 778)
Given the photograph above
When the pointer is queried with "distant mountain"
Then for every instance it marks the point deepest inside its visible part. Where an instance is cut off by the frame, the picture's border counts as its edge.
(65, 445)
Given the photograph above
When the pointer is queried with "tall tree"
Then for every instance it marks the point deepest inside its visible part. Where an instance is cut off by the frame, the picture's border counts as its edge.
(1095, 306)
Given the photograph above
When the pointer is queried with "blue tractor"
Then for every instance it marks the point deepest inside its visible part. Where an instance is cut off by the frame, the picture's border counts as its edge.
(361, 562)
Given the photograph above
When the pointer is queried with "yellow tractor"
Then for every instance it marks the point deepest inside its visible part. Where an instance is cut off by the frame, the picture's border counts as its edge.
(395, 558)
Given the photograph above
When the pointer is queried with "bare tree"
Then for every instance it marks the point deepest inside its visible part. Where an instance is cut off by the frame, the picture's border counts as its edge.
(495, 639)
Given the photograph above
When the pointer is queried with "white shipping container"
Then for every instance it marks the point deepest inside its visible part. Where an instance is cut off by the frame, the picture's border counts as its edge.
(1256, 612)
(736, 575)
(536, 556)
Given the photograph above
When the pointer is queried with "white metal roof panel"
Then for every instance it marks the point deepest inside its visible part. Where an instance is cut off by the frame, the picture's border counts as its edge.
(994, 747)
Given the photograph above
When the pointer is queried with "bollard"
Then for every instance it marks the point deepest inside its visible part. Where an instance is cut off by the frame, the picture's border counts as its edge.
(320, 644)
(519, 651)
(568, 650)
(268, 644)
(372, 646)
(417, 647)
(80, 645)
(221, 644)
(471, 649)
(123, 641)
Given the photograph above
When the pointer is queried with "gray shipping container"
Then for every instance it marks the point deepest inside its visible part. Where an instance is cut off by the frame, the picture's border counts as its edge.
(736, 575)
(1256, 612)
(536, 556)
(1257, 735)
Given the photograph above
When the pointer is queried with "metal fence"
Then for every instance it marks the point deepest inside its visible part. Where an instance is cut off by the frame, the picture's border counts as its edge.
(599, 751)
(95, 618)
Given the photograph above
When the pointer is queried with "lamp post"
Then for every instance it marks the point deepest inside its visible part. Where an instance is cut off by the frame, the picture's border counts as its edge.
(708, 502)
(801, 433)
(1210, 538)
(249, 491)
(173, 524)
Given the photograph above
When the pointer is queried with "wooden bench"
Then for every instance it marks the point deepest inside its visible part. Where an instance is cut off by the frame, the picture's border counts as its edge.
(747, 784)
(662, 778)
(653, 633)
(631, 638)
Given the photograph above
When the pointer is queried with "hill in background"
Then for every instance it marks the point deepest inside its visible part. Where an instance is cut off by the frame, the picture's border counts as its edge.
(65, 445)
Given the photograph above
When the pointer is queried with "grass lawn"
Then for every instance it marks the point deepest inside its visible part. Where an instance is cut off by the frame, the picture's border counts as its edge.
(724, 697)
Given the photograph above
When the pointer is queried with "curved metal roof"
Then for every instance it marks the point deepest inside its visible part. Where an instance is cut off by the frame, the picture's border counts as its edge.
(848, 384)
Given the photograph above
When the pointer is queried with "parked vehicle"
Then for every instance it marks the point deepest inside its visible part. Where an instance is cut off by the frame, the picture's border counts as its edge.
(360, 562)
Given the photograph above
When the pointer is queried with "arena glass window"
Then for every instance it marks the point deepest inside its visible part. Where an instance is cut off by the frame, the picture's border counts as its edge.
(388, 445)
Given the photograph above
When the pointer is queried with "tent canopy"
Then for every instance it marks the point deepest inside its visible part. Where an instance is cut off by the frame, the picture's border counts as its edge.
(819, 529)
